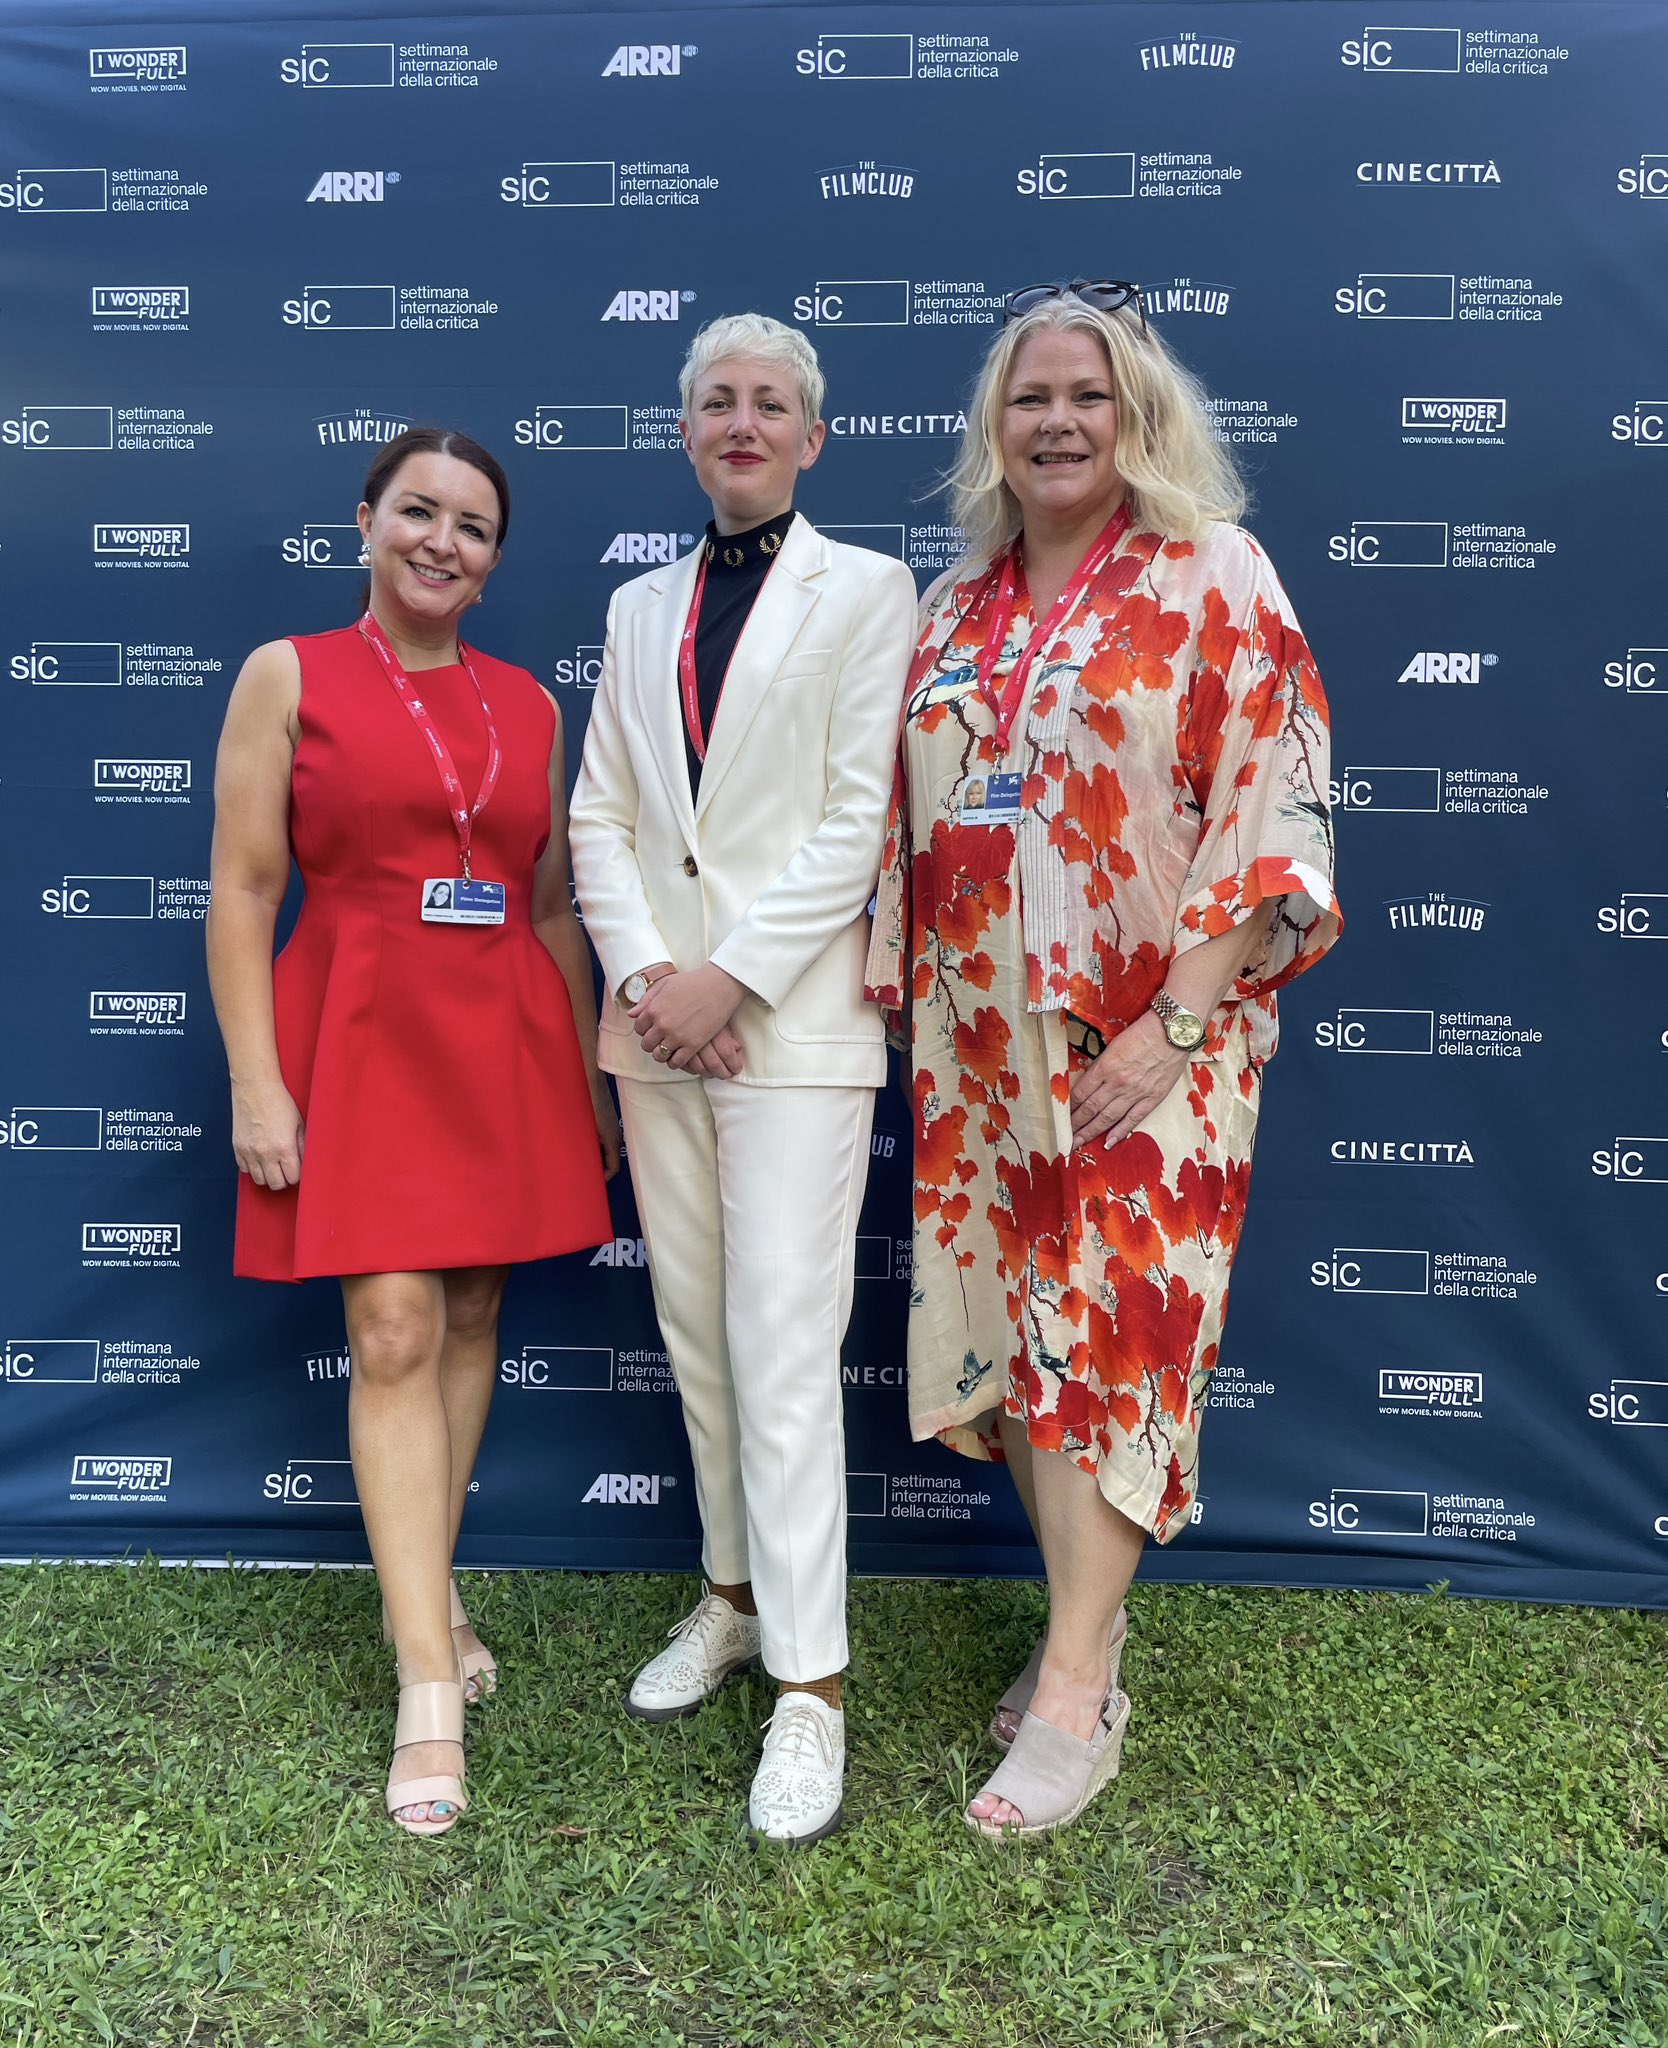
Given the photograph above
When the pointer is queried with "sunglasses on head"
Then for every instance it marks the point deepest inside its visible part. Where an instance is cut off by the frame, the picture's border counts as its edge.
(1105, 294)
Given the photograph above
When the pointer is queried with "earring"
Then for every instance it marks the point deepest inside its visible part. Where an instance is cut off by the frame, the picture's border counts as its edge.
(364, 554)
(479, 596)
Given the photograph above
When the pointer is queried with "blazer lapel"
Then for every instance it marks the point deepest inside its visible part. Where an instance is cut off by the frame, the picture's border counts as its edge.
(659, 629)
(789, 592)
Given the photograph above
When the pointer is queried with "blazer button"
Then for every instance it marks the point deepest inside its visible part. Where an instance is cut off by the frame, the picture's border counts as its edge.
(689, 866)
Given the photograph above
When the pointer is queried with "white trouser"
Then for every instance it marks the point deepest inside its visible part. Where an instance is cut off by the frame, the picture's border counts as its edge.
(748, 1198)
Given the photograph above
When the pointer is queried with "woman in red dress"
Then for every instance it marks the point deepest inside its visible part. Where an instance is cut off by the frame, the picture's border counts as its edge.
(415, 1099)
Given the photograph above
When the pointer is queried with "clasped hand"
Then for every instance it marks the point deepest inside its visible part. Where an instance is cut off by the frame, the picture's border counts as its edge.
(684, 1022)
(1122, 1088)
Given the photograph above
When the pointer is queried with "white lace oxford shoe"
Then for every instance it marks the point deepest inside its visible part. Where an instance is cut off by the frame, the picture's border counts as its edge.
(798, 1788)
(706, 1647)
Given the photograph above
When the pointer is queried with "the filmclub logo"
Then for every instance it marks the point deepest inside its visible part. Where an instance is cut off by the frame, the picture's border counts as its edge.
(1079, 174)
(344, 308)
(79, 428)
(1403, 49)
(140, 1243)
(339, 67)
(1647, 179)
(325, 544)
(1454, 419)
(1189, 51)
(312, 1483)
(70, 664)
(67, 190)
(89, 897)
(51, 1361)
(1186, 295)
(1631, 1404)
(869, 58)
(1400, 295)
(158, 541)
(1646, 426)
(644, 549)
(584, 429)
(143, 776)
(1397, 1032)
(626, 1489)
(1639, 914)
(360, 428)
(124, 1474)
(667, 304)
(560, 1369)
(1391, 544)
(856, 302)
(141, 301)
(154, 63)
(1396, 790)
(1436, 910)
(58, 1128)
(1371, 1511)
(351, 188)
(649, 60)
(1642, 672)
(867, 179)
(538, 185)
(1640, 1160)
(1373, 1269)
(1447, 665)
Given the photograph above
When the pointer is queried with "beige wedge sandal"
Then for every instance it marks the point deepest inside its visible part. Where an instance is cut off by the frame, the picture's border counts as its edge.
(1049, 1776)
(1018, 1697)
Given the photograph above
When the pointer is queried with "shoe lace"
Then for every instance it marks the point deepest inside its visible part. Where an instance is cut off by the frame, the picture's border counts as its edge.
(700, 1621)
(797, 1732)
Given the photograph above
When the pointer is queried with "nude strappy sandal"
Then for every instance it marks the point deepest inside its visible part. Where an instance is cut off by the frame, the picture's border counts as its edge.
(479, 1666)
(1019, 1695)
(1050, 1775)
(430, 1711)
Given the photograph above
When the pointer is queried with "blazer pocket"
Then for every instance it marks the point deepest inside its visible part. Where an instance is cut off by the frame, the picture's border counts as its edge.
(805, 666)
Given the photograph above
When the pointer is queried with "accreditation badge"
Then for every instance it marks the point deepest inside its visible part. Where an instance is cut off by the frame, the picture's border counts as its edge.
(991, 799)
(454, 899)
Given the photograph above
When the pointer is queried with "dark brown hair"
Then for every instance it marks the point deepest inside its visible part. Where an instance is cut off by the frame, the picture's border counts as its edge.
(439, 441)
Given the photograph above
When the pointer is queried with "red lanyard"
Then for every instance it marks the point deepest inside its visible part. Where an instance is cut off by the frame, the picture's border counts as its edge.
(463, 817)
(688, 682)
(1005, 572)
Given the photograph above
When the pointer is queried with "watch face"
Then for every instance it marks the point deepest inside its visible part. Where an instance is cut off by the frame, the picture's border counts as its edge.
(635, 987)
(1185, 1031)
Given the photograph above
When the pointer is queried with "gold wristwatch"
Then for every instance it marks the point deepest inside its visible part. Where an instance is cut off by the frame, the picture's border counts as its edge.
(1181, 1027)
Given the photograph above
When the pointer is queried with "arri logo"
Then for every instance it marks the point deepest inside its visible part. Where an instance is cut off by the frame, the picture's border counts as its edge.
(622, 1251)
(1648, 179)
(625, 1489)
(1635, 917)
(647, 305)
(354, 187)
(858, 57)
(1645, 427)
(1440, 666)
(1403, 49)
(646, 548)
(648, 60)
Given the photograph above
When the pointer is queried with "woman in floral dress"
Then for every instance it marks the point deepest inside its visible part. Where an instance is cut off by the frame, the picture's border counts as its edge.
(1109, 846)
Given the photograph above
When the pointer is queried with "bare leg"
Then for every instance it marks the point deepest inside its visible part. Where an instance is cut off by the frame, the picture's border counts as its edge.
(468, 1374)
(402, 1466)
(1090, 1552)
(1016, 1448)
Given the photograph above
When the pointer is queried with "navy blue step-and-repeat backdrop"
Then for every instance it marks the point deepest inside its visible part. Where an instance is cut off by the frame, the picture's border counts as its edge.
(1417, 256)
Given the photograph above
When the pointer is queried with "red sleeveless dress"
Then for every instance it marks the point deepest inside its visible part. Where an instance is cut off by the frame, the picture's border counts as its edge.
(448, 1120)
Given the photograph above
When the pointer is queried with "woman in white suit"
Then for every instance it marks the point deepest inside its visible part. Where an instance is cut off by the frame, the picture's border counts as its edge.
(726, 833)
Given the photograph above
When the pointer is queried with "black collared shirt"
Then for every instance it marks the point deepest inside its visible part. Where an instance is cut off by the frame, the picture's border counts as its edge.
(737, 565)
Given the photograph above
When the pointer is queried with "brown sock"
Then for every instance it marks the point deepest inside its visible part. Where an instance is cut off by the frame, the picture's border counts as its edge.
(826, 1689)
(740, 1597)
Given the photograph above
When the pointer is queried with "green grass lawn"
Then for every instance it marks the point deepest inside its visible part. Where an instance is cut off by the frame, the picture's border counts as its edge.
(1351, 1819)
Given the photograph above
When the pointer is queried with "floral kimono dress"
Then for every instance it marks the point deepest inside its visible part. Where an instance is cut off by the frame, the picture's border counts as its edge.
(1166, 775)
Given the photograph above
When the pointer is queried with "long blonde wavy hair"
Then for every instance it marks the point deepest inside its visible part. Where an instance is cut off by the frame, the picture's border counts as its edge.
(1180, 477)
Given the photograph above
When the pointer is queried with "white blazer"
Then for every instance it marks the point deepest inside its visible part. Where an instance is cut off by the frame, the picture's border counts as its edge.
(770, 871)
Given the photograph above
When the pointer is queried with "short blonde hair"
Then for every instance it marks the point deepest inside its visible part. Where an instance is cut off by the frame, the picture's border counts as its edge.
(1180, 477)
(769, 341)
